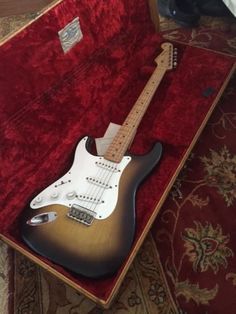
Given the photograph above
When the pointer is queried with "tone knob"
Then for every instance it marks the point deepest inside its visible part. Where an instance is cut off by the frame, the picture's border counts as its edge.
(38, 199)
(71, 195)
(54, 195)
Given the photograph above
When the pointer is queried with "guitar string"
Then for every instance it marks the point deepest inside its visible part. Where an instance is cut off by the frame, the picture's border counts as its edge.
(100, 191)
(107, 180)
(127, 139)
(135, 120)
(89, 191)
(104, 177)
(107, 175)
(94, 188)
(148, 94)
(96, 192)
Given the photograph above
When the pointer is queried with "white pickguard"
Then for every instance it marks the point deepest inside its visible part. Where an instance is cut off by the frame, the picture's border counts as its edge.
(92, 182)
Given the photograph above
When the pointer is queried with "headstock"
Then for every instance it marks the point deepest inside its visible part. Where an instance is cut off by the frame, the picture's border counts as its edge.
(167, 59)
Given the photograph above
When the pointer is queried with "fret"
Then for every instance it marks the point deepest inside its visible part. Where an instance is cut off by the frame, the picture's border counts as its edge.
(125, 135)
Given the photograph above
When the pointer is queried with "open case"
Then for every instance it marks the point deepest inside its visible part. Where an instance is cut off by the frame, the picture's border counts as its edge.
(49, 99)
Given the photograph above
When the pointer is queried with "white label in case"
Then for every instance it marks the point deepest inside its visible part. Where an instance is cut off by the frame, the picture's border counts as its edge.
(70, 35)
(103, 143)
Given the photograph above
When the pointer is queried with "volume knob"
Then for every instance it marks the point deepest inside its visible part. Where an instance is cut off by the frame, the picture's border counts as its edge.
(71, 195)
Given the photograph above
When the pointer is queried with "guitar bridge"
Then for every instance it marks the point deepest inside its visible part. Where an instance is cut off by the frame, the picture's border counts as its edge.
(81, 214)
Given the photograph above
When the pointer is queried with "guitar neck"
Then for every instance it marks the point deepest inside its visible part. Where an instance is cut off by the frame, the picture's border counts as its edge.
(125, 135)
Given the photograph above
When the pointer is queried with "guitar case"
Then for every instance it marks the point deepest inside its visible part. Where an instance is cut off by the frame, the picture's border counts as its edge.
(57, 86)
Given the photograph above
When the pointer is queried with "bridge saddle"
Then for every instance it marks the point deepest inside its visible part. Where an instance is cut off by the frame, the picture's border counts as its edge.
(81, 214)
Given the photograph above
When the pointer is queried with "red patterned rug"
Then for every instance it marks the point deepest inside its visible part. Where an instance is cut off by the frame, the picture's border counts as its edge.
(187, 264)
(195, 231)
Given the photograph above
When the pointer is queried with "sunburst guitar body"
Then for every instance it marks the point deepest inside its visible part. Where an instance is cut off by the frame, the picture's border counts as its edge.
(85, 221)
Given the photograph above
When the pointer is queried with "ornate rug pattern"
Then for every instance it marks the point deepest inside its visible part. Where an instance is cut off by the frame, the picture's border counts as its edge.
(187, 264)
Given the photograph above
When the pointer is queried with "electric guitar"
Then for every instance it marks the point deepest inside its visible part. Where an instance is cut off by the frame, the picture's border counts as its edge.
(85, 221)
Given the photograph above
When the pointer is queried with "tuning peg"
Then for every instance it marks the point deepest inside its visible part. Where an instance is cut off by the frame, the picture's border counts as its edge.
(174, 64)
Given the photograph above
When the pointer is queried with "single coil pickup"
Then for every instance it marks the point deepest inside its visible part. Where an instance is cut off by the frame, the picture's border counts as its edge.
(107, 166)
(90, 199)
(99, 182)
(81, 214)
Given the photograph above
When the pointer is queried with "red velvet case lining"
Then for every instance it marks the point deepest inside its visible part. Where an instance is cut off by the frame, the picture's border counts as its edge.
(49, 100)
